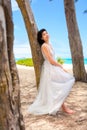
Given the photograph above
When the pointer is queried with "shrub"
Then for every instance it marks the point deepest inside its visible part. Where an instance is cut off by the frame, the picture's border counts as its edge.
(25, 61)
(60, 60)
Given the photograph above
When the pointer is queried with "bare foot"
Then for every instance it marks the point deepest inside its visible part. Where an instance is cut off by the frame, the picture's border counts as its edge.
(67, 110)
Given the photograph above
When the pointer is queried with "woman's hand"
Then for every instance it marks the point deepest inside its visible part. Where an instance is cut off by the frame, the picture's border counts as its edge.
(65, 70)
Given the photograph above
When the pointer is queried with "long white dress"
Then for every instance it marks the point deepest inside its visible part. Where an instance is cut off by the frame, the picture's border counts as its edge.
(55, 85)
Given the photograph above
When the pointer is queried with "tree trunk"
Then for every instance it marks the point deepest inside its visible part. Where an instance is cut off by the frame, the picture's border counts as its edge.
(75, 41)
(31, 28)
(10, 108)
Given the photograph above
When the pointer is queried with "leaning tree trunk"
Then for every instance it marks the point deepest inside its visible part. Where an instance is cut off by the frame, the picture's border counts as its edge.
(31, 27)
(10, 113)
(75, 41)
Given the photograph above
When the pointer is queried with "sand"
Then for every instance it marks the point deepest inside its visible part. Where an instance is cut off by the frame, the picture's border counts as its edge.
(77, 100)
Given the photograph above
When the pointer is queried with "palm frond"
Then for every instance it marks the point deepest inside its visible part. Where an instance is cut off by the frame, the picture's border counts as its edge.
(76, 0)
(85, 11)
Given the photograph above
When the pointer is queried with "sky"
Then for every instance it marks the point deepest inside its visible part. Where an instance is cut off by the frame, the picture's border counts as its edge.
(51, 16)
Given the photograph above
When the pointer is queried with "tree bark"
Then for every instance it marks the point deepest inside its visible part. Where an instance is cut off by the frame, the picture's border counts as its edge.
(10, 108)
(32, 35)
(75, 41)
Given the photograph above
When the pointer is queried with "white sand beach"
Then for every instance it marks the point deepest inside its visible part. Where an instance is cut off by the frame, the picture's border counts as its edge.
(77, 100)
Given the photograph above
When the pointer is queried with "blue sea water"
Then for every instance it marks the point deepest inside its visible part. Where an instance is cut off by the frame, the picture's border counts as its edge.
(69, 60)
(66, 60)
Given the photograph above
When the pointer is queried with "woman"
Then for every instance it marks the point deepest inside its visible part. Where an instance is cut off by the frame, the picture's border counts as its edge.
(55, 82)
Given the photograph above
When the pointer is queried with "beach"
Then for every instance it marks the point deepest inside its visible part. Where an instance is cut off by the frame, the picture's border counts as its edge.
(77, 100)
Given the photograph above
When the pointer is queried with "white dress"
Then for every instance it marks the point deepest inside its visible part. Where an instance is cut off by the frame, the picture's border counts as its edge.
(55, 85)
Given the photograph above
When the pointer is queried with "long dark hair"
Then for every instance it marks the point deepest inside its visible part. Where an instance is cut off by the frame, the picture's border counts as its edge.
(39, 37)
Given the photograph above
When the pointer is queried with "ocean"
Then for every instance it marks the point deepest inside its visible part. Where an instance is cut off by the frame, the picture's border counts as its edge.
(69, 60)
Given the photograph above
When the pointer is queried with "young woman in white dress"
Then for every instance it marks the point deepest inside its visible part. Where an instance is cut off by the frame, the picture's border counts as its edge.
(55, 82)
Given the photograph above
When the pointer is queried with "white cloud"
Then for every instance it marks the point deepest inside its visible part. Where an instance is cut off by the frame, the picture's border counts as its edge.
(14, 5)
(22, 50)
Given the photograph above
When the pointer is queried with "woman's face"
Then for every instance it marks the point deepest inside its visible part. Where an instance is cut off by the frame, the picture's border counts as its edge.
(45, 36)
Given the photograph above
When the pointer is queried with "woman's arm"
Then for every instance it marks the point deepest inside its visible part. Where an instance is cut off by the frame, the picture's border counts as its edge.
(47, 53)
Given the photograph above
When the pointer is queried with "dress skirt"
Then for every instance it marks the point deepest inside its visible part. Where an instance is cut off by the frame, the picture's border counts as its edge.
(55, 85)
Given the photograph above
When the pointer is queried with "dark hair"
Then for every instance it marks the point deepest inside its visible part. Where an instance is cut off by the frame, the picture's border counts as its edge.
(39, 36)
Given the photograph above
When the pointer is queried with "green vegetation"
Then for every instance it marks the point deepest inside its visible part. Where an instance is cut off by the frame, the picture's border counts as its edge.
(29, 61)
(60, 60)
(25, 61)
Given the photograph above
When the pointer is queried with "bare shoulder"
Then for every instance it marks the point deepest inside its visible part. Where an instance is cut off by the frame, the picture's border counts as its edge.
(44, 47)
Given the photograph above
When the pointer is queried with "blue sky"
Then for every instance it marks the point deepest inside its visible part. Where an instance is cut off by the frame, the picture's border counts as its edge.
(51, 16)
